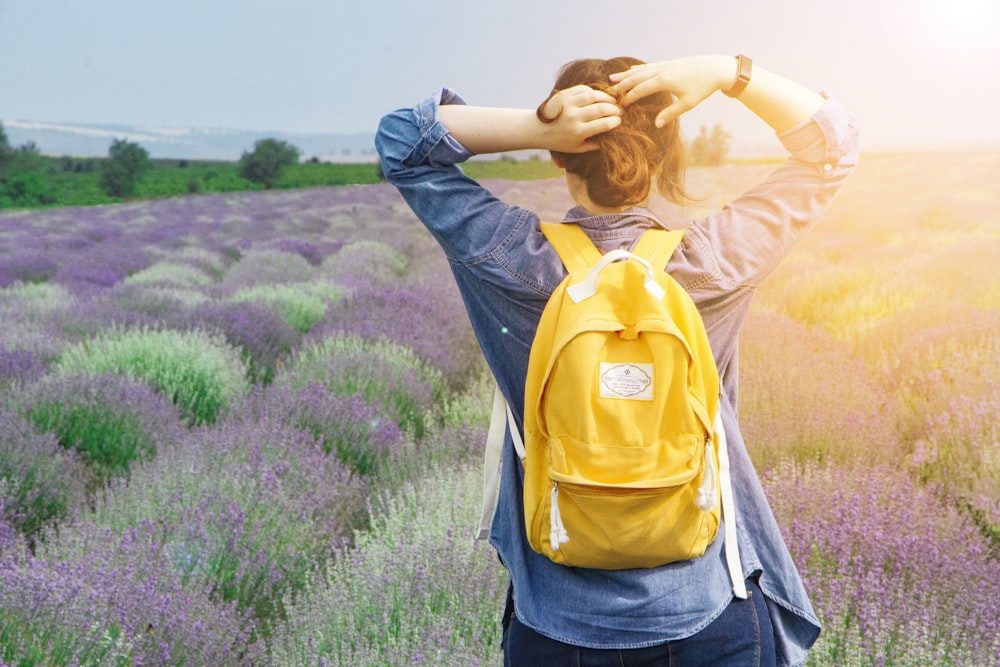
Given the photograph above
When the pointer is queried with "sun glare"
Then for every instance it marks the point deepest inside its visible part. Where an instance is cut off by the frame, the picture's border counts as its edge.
(967, 14)
(963, 25)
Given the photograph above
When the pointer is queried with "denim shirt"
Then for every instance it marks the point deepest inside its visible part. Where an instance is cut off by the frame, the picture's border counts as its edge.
(506, 271)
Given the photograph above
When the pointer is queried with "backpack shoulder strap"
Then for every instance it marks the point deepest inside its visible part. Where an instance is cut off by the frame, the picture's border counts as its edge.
(658, 245)
(576, 250)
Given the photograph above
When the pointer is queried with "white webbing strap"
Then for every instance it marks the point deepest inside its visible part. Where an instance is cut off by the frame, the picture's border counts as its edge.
(587, 287)
(729, 515)
(501, 420)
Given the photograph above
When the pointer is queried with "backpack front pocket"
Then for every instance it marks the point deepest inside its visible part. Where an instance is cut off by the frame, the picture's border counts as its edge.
(620, 520)
(616, 529)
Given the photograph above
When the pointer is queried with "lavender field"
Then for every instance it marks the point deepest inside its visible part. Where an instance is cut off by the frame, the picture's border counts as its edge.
(245, 429)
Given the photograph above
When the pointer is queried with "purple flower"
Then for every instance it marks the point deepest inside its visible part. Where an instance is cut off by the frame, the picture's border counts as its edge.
(360, 436)
(427, 318)
(389, 376)
(98, 595)
(40, 482)
(97, 275)
(18, 367)
(894, 568)
(805, 394)
(416, 586)
(111, 420)
(264, 339)
(28, 268)
(248, 507)
(309, 251)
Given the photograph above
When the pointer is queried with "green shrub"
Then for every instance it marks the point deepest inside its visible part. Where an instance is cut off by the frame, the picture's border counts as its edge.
(126, 163)
(386, 374)
(416, 588)
(40, 482)
(266, 267)
(368, 262)
(264, 164)
(170, 274)
(300, 305)
(199, 372)
(111, 420)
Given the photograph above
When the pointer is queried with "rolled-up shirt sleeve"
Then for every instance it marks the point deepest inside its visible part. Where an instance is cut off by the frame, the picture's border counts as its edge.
(755, 231)
(413, 137)
(421, 159)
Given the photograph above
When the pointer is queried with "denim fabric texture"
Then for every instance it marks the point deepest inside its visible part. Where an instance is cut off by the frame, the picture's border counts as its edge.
(505, 271)
(740, 637)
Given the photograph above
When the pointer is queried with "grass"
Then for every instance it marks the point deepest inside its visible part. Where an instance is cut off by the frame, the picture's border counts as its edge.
(76, 181)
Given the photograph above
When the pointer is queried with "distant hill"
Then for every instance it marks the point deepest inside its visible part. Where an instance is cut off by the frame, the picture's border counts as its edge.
(86, 140)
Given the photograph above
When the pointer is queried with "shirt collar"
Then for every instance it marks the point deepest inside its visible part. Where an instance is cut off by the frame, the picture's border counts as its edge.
(636, 216)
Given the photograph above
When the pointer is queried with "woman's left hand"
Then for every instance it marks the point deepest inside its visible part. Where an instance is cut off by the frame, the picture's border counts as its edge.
(689, 80)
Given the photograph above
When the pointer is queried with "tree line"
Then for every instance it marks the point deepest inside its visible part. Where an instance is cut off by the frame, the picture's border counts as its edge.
(25, 182)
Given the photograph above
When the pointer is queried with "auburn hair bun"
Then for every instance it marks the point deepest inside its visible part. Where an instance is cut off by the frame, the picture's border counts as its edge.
(621, 171)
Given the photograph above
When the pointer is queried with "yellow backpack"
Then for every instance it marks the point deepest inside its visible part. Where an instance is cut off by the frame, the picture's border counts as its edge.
(621, 446)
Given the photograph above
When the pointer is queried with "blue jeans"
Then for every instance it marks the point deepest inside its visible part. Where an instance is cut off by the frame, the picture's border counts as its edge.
(740, 636)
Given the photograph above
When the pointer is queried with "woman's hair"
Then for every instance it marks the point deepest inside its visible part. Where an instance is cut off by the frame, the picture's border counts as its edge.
(630, 156)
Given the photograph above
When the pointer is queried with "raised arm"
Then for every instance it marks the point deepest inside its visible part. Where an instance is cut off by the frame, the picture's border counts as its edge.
(577, 114)
(753, 232)
(779, 102)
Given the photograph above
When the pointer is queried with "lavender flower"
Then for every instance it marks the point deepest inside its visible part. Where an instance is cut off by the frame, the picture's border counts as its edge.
(806, 395)
(261, 267)
(28, 268)
(261, 335)
(415, 589)
(18, 367)
(386, 374)
(95, 596)
(99, 275)
(301, 305)
(40, 482)
(309, 251)
(111, 420)
(426, 318)
(897, 574)
(101, 265)
(359, 436)
(246, 507)
(12, 543)
(81, 319)
(366, 263)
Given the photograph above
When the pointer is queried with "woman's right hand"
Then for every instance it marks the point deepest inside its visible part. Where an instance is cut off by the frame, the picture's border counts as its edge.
(575, 115)
(689, 80)
(567, 122)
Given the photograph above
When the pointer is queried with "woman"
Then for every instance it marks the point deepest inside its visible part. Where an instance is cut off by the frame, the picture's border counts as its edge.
(612, 124)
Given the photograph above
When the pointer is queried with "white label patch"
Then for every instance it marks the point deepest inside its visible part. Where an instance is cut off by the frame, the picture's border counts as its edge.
(631, 381)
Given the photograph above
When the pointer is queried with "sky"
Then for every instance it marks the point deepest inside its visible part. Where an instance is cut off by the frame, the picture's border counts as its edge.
(915, 73)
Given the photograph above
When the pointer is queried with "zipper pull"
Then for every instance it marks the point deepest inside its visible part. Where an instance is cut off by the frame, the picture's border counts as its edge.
(708, 492)
(557, 534)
